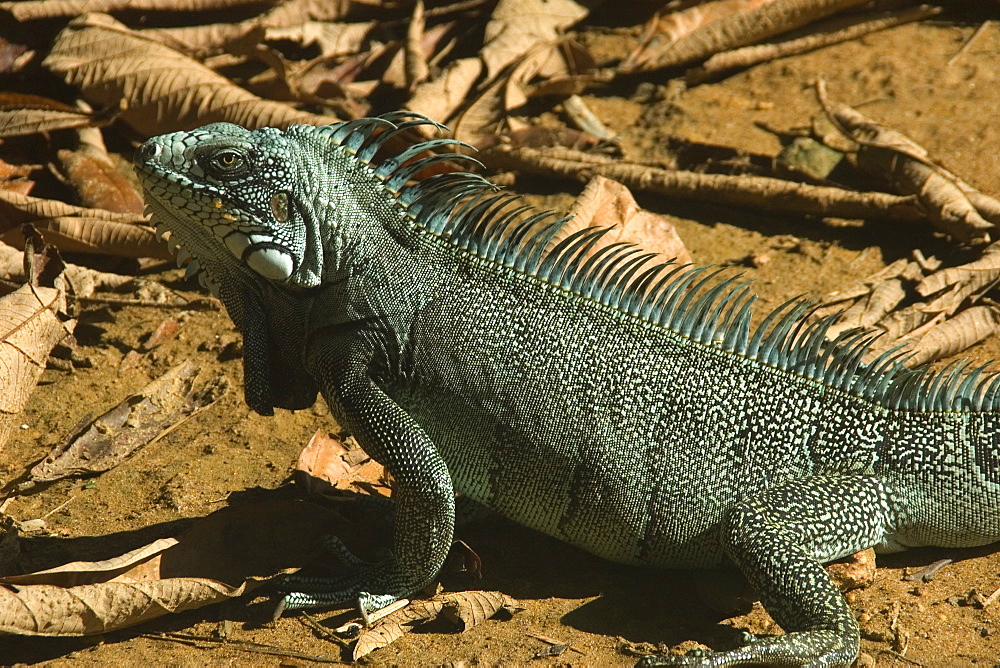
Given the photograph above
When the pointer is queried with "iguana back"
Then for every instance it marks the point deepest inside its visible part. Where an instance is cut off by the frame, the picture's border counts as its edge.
(624, 406)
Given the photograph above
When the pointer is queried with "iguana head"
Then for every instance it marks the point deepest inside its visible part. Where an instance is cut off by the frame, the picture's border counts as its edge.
(233, 200)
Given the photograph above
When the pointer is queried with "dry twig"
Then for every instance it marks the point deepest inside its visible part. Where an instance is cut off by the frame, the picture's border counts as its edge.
(759, 192)
(754, 55)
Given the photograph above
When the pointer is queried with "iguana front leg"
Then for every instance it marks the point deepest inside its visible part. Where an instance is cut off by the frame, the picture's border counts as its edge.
(424, 519)
(780, 540)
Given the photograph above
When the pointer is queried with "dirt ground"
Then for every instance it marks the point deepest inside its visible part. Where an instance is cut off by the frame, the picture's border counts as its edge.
(908, 77)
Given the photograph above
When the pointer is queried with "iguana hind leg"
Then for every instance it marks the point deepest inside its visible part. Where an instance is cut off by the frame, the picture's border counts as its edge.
(424, 498)
(780, 540)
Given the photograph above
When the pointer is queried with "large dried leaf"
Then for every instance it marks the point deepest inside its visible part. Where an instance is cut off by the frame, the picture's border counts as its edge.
(978, 274)
(518, 26)
(735, 30)
(140, 419)
(162, 89)
(226, 554)
(30, 325)
(329, 463)
(78, 229)
(87, 281)
(892, 155)
(26, 10)
(15, 178)
(76, 573)
(203, 40)
(465, 609)
(483, 118)
(333, 39)
(99, 184)
(965, 329)
(442, 96)
(22, 114)
(607, 203)
(664, 30)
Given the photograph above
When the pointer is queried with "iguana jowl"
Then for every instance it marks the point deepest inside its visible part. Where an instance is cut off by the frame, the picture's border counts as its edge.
(626, 408)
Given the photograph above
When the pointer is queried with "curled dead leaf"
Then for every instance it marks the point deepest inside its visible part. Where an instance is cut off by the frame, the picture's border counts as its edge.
(32, 320)
(78, 229)
(465, 609)
(164, 90)
(731, 24)
(607, 203)
(978, 274)
(442, 96)
(665, 29)
(27, 10)
(139, 420)
(328, 463)
(964, 329)
(892, 155)
(99, 184)
(485, 115)
(22, 114)
(518, 26)
(224, 555)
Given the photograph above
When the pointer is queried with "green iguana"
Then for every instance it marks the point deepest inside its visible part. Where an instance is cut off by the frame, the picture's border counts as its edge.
(625, 407)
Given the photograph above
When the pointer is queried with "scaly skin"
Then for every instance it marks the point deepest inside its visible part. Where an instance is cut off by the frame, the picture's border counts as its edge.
(632, 413)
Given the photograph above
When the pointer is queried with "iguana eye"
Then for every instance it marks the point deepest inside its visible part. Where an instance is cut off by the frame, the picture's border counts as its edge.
(228, 159)
(227, 162)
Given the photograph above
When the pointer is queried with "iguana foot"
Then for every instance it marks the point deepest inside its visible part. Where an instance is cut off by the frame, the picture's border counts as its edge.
(304, 593)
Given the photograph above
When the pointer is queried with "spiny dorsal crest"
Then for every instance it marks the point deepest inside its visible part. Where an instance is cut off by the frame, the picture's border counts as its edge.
(466, 210)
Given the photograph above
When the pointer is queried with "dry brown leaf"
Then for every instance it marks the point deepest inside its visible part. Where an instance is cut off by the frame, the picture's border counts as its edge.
(226, 554)
(333, 39)
(559, 61)
(99, 184)
(22, 114)
(442, 96)
(469, 608)
(90, 572)
(32, 321)
(892, 155)
(465, 609)
(163, 90)
(87, 281)
(483, 118)
(518, 26)
(978, 274)
(735, 30)
(663, 30)
(78, 229)
(204, 40)
(45, 610)
(13, 57)
(966, 328)
(15, 178)
(537, 136)
(395, 73)
(327, 462)
(417, 69)
(607, 203)
(137, 421)
(27, 10)
(869, 310)
(822, 35)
